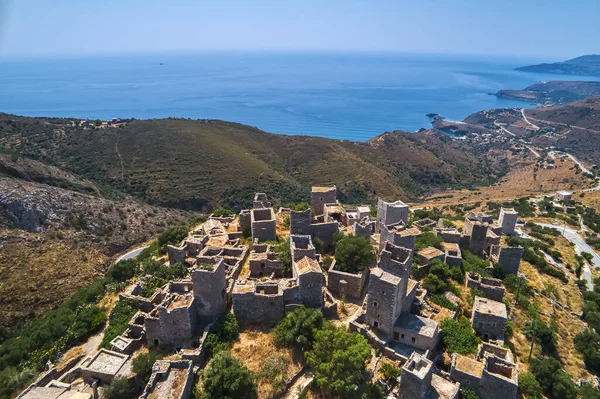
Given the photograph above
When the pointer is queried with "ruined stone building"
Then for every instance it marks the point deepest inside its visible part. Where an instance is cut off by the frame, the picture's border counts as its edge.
(301, 223)
(263, 225)
(508, 220)
(491, 287)
(210, 289)
(452, 254)
(263, 262)
(448, 234)
(170, 379)
(364, 228)
(261, 201)
(321, 196)
(307, 271)
(426, 255)
(492, 374)
(399, 235)
(489, 318)
(346, 285)
(391, 213)
(258, 302)
(418, 381)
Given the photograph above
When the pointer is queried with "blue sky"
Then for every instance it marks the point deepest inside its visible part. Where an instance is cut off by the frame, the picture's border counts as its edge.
(548, 29)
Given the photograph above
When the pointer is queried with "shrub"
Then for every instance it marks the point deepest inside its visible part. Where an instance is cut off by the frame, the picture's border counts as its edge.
(298, 328)
(338, 359)
(172, 235)
(458, 336)
(529, 386)
(588, 344)
(119, 318)
(428, 239)
(226, 377)
(223, 212)
(124, 270)
(443, 301)
(353, 254)
(117, 389)
(389, 371)
(555, 381)
(434, 284)
(224, 330)
(142, 367)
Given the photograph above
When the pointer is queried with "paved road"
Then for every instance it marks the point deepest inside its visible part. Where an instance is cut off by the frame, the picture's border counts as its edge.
(131, 254)
(536, 127)
(504, 129)
(580, 246)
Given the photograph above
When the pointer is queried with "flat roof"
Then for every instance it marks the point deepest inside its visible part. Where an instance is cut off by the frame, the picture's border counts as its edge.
(180, 301)
(413, 231)
(488, 306)
(416, 324)
(451, 246)
(445, 389)
(468, 365)
(107, 362)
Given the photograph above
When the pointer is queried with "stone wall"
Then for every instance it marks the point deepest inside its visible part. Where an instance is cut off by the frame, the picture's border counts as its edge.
(499, 379)
(491, 287)
(264, 226)
(383, 301)
(254, 307)
(325, 231)
(450, 235)
(391, 213)
(301, 246)
(160, 372)
(364, 228)
(415, 380)
(321, 196)
(171, 327)
(177, 254)
(352, 285)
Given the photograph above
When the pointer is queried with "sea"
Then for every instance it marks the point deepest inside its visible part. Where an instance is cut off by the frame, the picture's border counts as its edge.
(351, 96)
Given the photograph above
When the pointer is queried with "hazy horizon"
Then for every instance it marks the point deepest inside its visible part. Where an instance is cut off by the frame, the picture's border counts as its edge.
(536, 30)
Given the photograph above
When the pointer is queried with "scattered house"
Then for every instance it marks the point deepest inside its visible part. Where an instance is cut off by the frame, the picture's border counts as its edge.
(399, 235)
(258, 302)
(426, 255)
(564, 196)
(345, 284)
(321, 196)
(489, 318)
(418, 381)
(264, 262)
(448, 234)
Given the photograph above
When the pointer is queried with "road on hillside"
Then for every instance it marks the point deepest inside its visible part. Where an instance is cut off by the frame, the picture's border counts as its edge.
(131, 254)
(580, 246)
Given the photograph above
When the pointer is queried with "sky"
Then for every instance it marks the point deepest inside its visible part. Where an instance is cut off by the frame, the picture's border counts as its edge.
(548, 29)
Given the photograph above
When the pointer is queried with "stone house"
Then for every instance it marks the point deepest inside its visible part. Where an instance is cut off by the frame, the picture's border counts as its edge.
(321, 196)
(391, 213)
(398, 235)
(364, 228)
(301, 223)
(416, 331)
(263, 262)
(426, 255)
(448, 234)
(491, 287)
(310, 280)
(509, 258)
(508, 220)
(489, 318)
(263, 224)
(564, 196)
(418, 381)
(210, 289)
(261, 201)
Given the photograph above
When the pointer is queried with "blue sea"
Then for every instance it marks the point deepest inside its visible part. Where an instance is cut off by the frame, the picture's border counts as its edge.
(353, 96)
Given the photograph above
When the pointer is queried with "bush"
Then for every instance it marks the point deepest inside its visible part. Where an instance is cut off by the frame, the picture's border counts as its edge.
(117, 389)
(428, 239)
(298, 328)
(390, 372)
(119, 318)
(529, 386)
(443, 301)
(458, 336)
(223, 212)
(226, 377)
(171, 236)
(555, 382)
(274, 370)
(124, 270)
(224, 330)
(353, 254)
(541, 333)
(338, 359)
(285, 256)
(588, 344)
(434, 284)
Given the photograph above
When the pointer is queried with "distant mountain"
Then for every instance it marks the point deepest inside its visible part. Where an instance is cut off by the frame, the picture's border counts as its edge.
(586, 65)
(553, 92)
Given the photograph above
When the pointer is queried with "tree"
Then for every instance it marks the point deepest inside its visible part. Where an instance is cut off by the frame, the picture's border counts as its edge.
(468, 394)
(588, 344)
(298, 328)
(555, 382)
(389, 371)
(529, 386)
(587, 391)
(338, 358)
(458, 336)
(172, 235)
(540, 333)
(117, 389)
(124, 270)
(223, 212)
(428, 239)
(226, 378)
(353, 254)
(434, 284)
(142, 367)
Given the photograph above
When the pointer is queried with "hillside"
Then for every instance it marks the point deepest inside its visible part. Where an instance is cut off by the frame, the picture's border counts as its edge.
(586, 65)
(553, 92)
(55, 240)
(202, 164)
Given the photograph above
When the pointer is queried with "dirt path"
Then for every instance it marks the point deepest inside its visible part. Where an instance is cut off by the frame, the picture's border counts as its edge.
(305, 378)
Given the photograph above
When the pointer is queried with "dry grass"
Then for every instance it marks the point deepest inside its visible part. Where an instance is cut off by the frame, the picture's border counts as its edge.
(520, 181)
(253, 347)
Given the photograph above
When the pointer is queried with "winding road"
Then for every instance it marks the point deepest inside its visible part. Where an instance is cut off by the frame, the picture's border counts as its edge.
(131, 254)
(580, 246)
